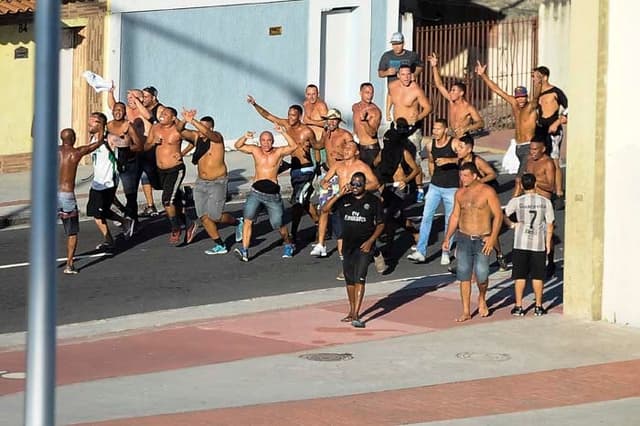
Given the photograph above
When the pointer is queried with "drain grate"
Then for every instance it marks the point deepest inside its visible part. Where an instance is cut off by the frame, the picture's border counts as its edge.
(327, 357)
(483, 356)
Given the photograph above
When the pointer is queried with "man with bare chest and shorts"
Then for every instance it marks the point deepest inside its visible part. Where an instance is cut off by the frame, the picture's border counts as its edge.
(265, 190)
(477, 216)
(463, 117)
(302, 168)
(524, 113)
(366, 121)
(314, 109)
(210, 190)
(165, 136)
(409, 102)
(67, 206)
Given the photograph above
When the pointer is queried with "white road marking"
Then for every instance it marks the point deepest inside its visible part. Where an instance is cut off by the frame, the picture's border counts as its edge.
(60, 259)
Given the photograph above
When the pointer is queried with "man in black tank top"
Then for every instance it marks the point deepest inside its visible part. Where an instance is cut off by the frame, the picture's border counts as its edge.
(443, 168)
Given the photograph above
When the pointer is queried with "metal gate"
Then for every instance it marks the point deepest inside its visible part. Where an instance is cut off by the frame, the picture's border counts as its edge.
(509, 48)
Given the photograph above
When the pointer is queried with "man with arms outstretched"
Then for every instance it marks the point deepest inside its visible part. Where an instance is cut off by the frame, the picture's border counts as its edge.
(265, 190)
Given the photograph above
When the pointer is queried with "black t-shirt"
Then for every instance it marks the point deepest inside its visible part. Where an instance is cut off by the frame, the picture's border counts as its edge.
(389, 59)
(359, 218)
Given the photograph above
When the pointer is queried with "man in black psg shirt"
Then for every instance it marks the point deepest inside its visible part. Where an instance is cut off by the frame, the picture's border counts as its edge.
(361, 215)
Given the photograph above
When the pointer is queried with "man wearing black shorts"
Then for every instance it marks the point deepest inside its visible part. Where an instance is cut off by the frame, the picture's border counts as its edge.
(532, 241)
(362, 224)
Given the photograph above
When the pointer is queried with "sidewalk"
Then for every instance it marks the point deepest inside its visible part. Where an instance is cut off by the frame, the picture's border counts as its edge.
(288, 360)
(15, 187)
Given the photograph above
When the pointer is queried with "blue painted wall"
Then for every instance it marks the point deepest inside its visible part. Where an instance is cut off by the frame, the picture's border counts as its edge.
(211, 58)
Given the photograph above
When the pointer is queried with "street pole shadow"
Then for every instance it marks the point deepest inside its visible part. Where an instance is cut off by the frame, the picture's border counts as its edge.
(407, 294)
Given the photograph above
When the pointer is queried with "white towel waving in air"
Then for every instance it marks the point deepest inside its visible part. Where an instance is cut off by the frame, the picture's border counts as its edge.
(97, 82)
(510, 162)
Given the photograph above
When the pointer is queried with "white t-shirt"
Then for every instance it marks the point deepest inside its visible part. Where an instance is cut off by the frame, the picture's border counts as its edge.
(104, 168)
(533, 213)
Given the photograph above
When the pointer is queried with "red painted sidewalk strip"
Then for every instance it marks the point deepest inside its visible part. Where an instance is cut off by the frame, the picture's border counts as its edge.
(500, 395)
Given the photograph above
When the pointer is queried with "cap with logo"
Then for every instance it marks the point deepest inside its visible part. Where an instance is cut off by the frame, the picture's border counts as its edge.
(520, 91)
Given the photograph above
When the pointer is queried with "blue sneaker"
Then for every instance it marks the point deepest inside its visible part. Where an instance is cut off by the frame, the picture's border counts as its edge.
(239, 230)
(288, 251)
(242, 253)
(420, 197)
(217, 249)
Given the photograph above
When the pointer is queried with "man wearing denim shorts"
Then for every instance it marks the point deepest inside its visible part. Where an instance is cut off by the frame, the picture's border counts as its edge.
(477, 216)
(265, 190)
(67, 206)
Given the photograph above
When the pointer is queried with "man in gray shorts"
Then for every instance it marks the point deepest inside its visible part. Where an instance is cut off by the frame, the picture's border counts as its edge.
(210, 190)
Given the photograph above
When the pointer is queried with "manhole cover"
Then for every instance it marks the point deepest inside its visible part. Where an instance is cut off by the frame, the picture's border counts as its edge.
(483, 356)
(327, 357)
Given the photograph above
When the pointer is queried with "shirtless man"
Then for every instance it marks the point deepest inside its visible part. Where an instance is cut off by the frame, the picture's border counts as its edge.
(552, 115)
(125, 136)
(265, 190)
(342, 170)
(302, 169)
(463, 117)
(314, 109)
(210, 191)
(167, 140)
(543, 168)
(67, 206)
(477, 216)
(366, 121)
(524, 113)
(409, 101)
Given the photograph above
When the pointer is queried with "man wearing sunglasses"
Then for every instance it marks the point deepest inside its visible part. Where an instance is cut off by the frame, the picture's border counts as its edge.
(362, 223)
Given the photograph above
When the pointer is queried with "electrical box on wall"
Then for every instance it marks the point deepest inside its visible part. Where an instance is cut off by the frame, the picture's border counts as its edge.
(21, 53)
(275, 31)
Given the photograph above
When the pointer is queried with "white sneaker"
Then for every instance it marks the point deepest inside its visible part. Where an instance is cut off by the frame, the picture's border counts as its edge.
(380, 264)
(414, 248)
(319, 250)
(445, 260)
(416, 256)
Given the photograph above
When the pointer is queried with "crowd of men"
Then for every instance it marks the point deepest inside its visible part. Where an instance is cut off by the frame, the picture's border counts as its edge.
(349, 182)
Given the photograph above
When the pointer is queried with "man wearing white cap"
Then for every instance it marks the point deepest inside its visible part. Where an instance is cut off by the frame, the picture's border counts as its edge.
(392, 59)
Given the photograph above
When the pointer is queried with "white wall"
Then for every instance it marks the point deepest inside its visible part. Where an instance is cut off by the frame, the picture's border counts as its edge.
(621, 285)
(554, 20)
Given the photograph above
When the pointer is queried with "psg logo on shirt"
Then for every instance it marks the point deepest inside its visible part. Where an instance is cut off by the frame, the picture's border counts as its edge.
(366, 206)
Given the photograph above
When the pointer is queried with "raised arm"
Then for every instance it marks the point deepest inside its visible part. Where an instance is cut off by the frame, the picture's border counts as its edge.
(88, 149)
(190, 117)
(481, 71)
(241, 145)
(437, 79)
(266, 114)
(111, 97)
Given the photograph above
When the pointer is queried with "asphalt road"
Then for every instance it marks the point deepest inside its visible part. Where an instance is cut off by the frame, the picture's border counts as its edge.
(146, 274)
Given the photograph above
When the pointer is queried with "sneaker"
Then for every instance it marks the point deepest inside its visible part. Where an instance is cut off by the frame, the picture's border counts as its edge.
(129, 225)
(420, 197)
(149, 211)
(105, 246)
(357, 323)
(502, 263)
(378, 260)
(174, 237)
(319, 250)
(539, 311)
(416, 256)
(445, 259)
(217, 249)
(239, 230)
(192, 230)
(288, 251)
(517, 311)
(242, 253)
(70, 270)
(340, 276)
